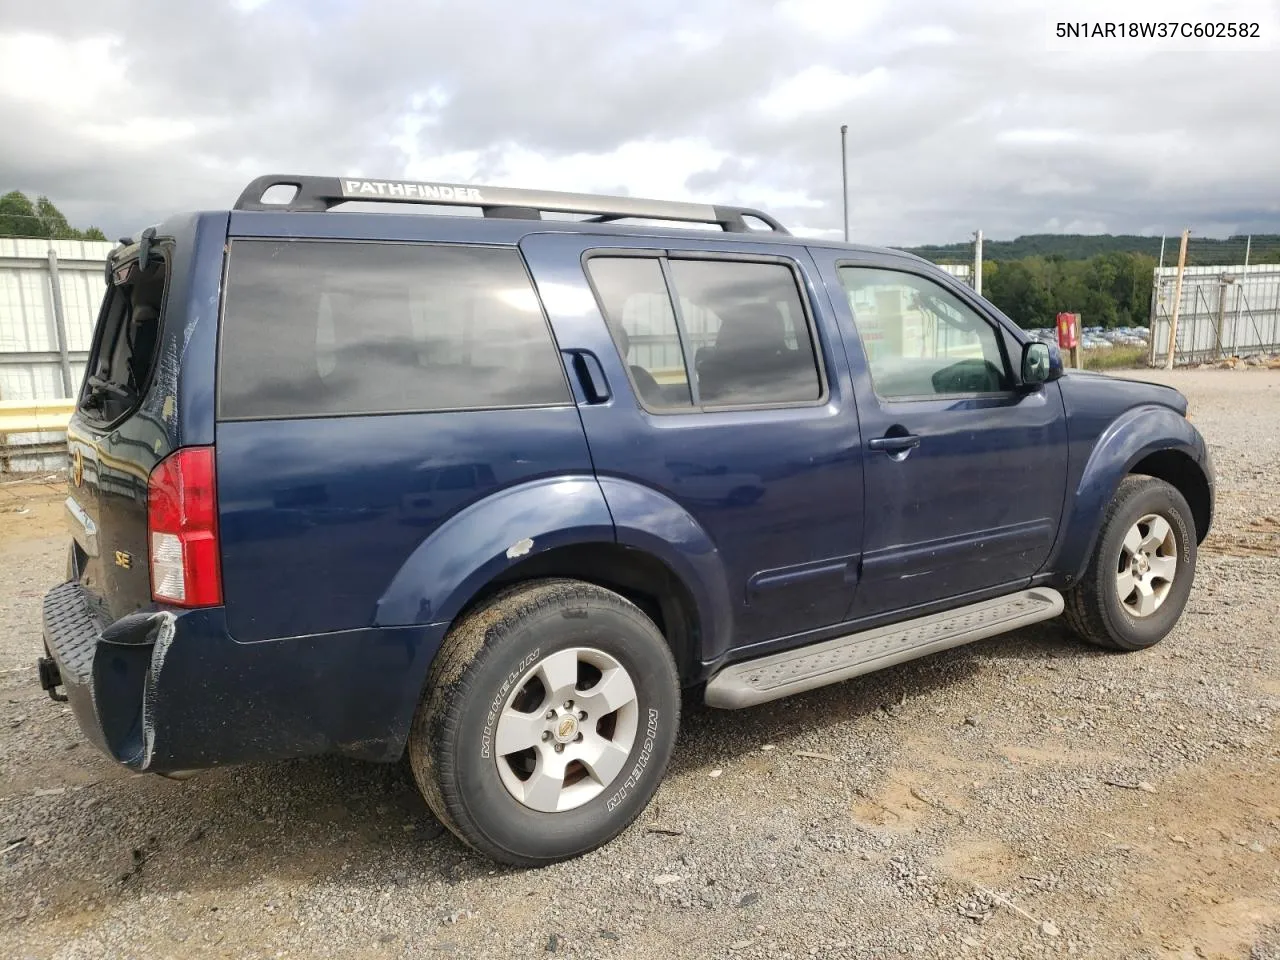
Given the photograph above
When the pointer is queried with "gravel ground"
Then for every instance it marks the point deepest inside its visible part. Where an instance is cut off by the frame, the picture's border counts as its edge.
(1022, 797)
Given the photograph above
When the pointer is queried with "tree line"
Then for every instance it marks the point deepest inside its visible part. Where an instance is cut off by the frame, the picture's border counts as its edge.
(21, 217)
(1106, 279)
(1107, 290)
(1201, 251)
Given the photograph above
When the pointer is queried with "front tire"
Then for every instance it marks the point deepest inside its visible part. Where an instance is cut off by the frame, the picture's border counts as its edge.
(1141, 571)
(549, 716)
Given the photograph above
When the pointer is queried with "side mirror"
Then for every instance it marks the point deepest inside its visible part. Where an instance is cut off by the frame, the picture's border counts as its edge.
(1041, 362)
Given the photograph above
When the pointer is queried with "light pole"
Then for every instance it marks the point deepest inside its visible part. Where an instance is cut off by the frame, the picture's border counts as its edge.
(844, 175)
(977, 262)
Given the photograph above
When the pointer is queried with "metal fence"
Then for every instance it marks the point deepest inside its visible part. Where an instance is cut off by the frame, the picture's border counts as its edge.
(49, 296)
(1225, 311)
(961, 271)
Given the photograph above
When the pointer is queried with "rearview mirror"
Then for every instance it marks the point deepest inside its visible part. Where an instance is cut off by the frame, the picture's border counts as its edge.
(1041, 362)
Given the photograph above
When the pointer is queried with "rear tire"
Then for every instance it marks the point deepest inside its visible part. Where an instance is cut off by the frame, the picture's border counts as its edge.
(1141, 571)
(548, 719)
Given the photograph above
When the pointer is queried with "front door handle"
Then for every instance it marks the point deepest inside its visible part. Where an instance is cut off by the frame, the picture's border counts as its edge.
(899, 443)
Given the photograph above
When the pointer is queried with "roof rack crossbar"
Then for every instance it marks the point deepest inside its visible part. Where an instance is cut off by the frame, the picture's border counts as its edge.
(318, 194)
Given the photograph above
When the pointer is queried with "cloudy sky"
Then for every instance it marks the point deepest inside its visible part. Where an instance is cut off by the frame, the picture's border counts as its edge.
(961, 114)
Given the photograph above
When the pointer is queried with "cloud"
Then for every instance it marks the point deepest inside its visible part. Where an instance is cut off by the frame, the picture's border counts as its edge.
(820, 89)
(960, 115)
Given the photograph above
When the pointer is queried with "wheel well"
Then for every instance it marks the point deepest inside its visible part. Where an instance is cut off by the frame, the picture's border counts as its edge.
(641, 578)
(1182, 472)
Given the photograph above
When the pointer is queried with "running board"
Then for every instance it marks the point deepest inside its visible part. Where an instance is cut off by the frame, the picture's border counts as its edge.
(806, 668)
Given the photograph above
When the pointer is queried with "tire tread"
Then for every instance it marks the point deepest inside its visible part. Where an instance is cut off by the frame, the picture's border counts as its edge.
(449, 688)
(1084, 605)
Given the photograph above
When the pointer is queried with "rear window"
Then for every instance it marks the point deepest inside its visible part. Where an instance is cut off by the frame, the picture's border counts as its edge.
(126, 338)
(321, 328)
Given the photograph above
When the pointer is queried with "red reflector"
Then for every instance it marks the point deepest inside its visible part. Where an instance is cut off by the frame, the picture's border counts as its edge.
(182, 530)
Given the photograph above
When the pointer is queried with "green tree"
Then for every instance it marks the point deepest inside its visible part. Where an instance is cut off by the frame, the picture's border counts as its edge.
(1201, 251)
(1109, 290)
(51, 218)
(19, 217)
(1023, 289)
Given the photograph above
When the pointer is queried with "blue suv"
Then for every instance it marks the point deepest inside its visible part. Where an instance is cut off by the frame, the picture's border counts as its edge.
(489, 491)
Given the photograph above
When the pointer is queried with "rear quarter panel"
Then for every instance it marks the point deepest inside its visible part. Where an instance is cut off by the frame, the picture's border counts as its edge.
(477, 544)
(321, 518)
(332, 523)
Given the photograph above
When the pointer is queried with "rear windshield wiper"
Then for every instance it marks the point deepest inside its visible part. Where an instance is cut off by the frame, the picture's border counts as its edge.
(99, 386)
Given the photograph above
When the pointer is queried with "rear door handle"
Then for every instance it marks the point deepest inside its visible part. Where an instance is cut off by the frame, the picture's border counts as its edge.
(590, 375)
(895, 444)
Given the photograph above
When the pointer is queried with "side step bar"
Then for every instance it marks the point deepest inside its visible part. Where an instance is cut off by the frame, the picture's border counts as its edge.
(806, 668)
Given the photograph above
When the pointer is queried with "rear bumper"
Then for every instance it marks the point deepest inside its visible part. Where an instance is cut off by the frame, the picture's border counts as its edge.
(70, 638)
(168, 691)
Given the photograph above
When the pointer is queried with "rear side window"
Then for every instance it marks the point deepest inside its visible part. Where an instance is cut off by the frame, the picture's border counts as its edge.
(321, 328)
(740, 335)
(644, 327)
(748, 332)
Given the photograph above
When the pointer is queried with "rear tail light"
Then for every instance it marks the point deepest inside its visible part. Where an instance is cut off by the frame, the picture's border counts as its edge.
(182, 530)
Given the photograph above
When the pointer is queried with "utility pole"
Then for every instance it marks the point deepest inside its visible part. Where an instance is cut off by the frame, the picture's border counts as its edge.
(844, 175)
(1157, 295)
(1177, 300)
(60, 324)
(1244, 275)
(977, 262)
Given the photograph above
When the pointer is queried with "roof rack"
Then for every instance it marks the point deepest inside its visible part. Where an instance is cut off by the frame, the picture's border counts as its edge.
(317, 194)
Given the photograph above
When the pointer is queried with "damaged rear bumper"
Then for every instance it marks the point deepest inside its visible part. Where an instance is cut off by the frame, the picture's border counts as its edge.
(169, 691)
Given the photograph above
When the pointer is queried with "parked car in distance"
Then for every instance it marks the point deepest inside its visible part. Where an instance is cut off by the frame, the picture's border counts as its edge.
(489, 491)
(1096, 338)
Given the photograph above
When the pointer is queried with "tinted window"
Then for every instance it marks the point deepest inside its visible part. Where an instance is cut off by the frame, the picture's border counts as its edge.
(748, 332)
(317, 328)
(742, 336)
(919, 338)
(634, 298)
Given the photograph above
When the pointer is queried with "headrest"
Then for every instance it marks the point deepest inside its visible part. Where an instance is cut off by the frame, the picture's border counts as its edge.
(753, 326)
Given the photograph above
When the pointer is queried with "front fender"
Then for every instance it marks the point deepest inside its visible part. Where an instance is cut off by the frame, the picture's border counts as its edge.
(478, 543)
(652, 522)
(1135, 434)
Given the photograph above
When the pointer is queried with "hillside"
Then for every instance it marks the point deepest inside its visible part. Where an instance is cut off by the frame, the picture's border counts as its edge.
(1204, 251)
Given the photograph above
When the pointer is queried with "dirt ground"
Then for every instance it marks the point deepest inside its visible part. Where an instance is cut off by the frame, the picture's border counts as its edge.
(1026, 796)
